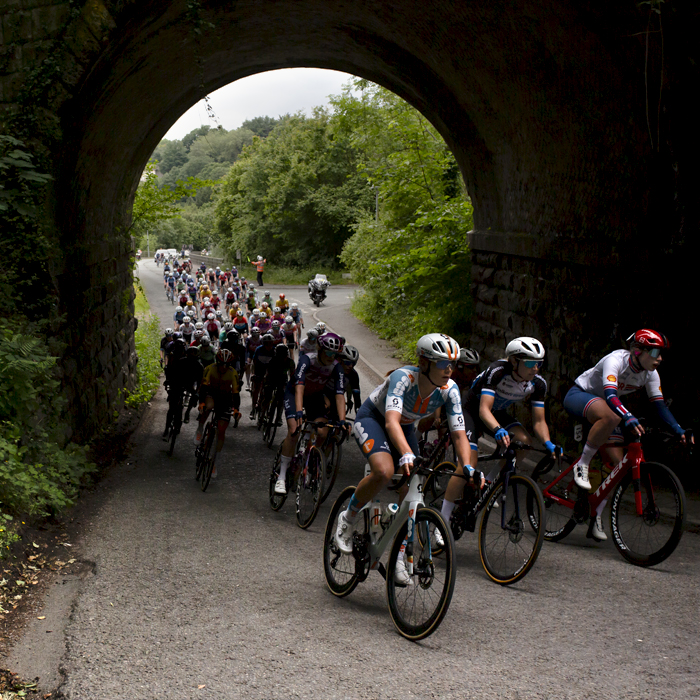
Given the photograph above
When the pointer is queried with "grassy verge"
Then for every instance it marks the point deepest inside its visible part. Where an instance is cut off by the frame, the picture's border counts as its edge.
(147, 338)
(291, 275)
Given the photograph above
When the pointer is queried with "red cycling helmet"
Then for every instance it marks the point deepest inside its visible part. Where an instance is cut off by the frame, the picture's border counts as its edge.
(646, 338)
(224, 356)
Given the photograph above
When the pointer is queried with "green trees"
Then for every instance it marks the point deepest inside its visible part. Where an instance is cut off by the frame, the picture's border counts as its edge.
(412, 259)
(294, 196)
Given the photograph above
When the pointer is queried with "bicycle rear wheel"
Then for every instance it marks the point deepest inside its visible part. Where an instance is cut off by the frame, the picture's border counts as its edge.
(276, 499)
(340, 569)
(275, 413)
(559, 515)
(418, 608)
(508, 552)
(648, 539)
(332, 469)
(309, 487)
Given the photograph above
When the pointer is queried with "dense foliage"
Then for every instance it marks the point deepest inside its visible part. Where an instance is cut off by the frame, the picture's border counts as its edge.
(294, 196)
(411, 258)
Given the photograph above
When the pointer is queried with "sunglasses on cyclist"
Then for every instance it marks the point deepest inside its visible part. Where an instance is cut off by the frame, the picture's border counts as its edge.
(533, 364)
(654, 352)
(445, 364)
(329, 353)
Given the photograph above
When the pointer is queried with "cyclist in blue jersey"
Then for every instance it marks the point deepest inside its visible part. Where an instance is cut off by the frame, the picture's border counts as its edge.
(384, 425)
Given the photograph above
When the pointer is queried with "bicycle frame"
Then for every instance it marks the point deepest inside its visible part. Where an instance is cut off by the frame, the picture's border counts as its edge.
(406, 512)
(632, 460)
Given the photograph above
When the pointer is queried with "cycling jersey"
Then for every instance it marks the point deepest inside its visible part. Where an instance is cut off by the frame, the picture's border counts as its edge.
(497, 380)
(251, 345)
(216, 382)
(615, 371)
(317, 377)
(240, 324)
(399, 392)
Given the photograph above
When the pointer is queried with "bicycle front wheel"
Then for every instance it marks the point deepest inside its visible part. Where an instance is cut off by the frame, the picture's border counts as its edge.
(511, 532)
(207, 459)
(331, 470)
(417, 609)
(340, 569)
(649, 538)
(559, 514)
(309, 487)
(436, 484)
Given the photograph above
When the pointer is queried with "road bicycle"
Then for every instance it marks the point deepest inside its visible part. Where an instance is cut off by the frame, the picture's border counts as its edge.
(204, 464)
(510, 535)
(170, 293)
(647, 504)
(174, 418)
(332, 449)
(271, 413)
(417, 609)
(305, 474)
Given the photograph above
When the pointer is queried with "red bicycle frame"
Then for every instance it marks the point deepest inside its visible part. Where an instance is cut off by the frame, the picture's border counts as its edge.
(632, 460)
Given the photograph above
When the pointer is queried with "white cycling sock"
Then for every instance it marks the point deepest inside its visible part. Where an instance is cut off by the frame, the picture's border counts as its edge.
(588, 453)
(284, 464)
(446, 510)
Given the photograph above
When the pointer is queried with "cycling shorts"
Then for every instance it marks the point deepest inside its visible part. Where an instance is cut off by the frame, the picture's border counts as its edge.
(314, 405)
(371, 436)
(475, 428)
(577, 402)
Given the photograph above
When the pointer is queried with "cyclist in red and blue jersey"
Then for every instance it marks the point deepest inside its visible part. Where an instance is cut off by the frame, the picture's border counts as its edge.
(596, 394)
(384, 425)
(318, 387)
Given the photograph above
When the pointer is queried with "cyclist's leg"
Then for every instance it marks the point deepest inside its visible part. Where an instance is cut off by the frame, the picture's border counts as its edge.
(208, 406)
(455, 487)
(289, 442)
(603, 422)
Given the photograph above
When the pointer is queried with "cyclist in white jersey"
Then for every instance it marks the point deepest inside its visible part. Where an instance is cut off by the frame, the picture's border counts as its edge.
(595, 396)
(384, 425)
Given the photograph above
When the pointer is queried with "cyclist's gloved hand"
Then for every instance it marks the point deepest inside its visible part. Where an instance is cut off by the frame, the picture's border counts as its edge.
(299, 415)
(631, 422)
(201, 407)
(406, 459)
(552, 448)
(501, 434)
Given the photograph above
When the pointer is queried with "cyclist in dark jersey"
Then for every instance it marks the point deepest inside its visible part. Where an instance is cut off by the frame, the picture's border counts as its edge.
(504, 383)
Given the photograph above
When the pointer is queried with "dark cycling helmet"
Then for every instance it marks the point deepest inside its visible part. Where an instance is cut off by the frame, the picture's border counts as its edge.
(331, 342)
(646, 338)
(468, 356)
(268, 338)
(192, 350)
(233, 336)
(350, 354)
(224, 356)
(177, 335)
(179, 345)
(282, 350)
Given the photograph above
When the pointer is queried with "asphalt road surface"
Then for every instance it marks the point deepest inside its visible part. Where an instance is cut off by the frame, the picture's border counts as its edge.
(214, 595)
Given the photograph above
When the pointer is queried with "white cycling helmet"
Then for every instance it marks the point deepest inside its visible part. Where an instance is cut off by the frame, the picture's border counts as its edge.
(468, 356)
(210, 317)
(263, 315)
(295, 305)
(276, 309)
(288, 319)
(350, 354)
(187, 319)
(178, 309)
(275, 324)
(437, 346)
(525, 348)
(168, 331)
(321, 327)
(199, 326)
(239, 312)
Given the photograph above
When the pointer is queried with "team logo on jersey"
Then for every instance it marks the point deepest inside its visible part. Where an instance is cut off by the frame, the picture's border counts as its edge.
(367, 446)
(612, 378)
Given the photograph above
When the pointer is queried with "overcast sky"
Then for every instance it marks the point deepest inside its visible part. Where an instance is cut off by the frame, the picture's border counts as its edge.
(265, 94)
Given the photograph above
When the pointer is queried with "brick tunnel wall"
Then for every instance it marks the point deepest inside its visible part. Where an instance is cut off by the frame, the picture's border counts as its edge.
(540, 104)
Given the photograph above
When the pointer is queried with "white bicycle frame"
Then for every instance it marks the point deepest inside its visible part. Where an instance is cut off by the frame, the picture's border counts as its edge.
(407, 511)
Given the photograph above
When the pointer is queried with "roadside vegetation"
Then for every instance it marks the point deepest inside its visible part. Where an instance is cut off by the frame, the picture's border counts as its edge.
(147, 339)
(367, 186)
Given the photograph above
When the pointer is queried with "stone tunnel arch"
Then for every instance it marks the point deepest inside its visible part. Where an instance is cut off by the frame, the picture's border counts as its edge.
(543, 106)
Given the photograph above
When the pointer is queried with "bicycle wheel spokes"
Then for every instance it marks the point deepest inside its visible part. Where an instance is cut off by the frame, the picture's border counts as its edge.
(418, 608)
(309, 487)
(648, 539)
(207, 457)
(509, 550)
